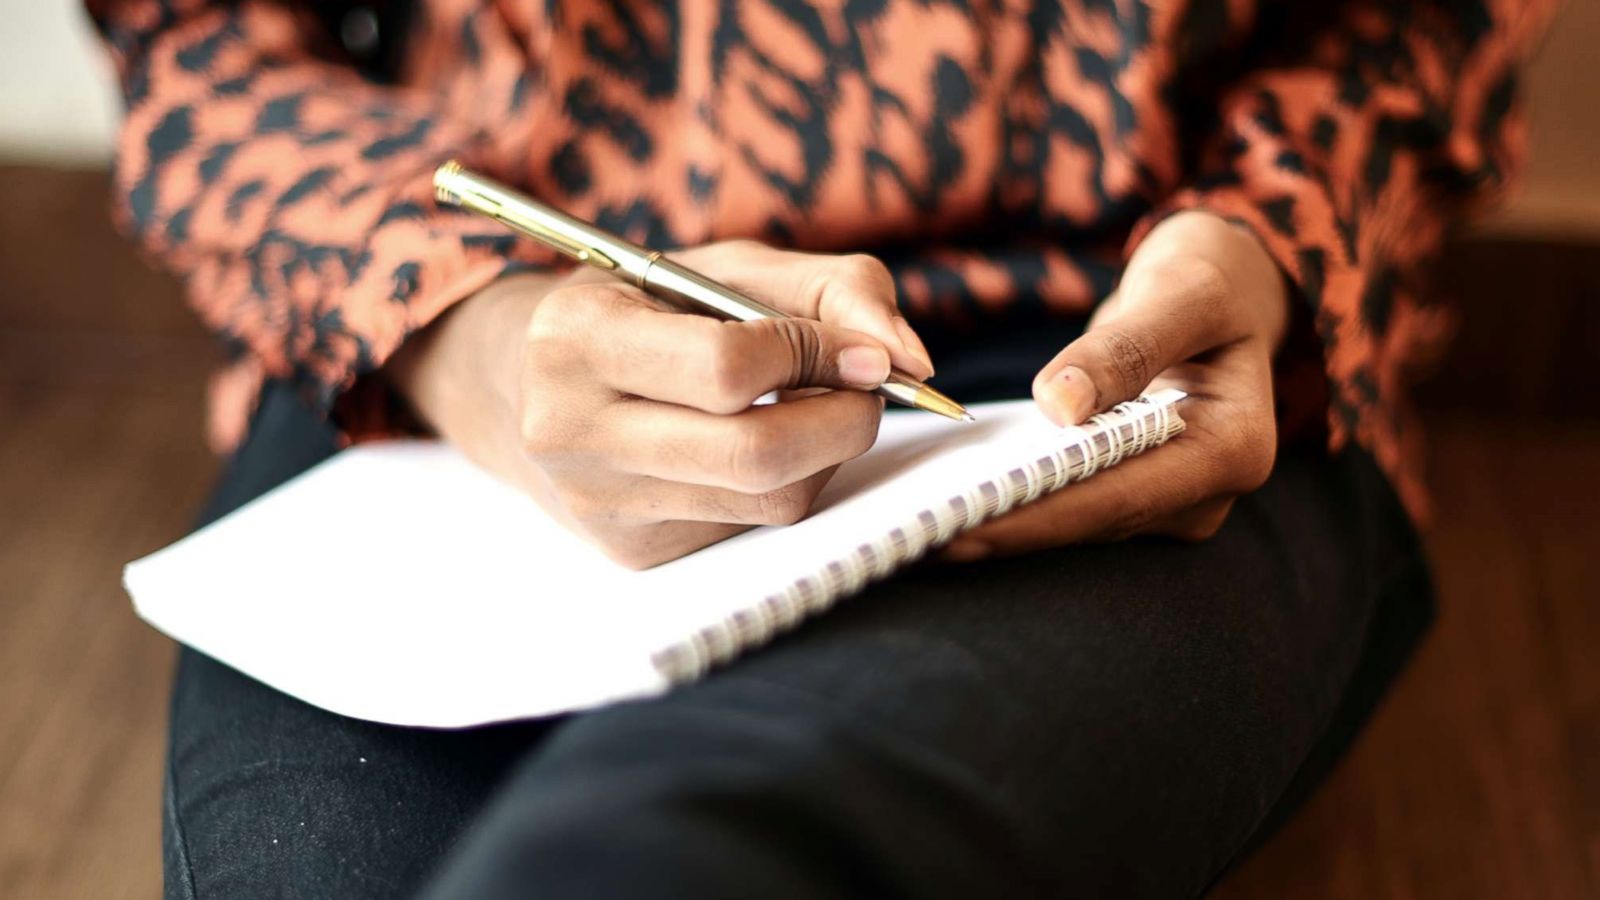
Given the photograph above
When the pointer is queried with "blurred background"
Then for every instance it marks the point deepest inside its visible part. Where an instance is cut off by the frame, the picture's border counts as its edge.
(1478, 778)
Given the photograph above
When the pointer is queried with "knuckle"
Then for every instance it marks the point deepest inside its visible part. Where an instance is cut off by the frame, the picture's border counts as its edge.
(1206, 287)
(633, 551)
(1204, 525)
(839, 283)
(1125, 523)
(1130, 517)
(758, 459)
(864, 277)
(802, 344)
(586, 507)
(1131, 357)
(563, 325)
(783, 506)
(866, 417)
(1199, 276)
(1255, 453)
(555, 313)
(1256, 474)
(631, 557)
(538, 431)
(865, 269)
(546, 326)
(1205, 277)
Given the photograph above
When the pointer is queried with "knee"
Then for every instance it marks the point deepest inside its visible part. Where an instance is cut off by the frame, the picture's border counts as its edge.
(781, 802)
(717, 762)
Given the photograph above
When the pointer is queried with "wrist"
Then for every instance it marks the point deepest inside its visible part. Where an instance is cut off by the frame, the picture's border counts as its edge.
(498, 319)
(470, 355)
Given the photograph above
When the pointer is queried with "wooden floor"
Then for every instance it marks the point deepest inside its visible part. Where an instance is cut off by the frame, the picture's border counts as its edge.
(1479, 778)
(101, 460)
(1480, 775)
(88, 480)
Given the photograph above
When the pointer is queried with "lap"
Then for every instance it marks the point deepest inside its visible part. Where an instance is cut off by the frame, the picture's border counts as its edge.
(266, 796)
(1114, 719)
(1111, 720)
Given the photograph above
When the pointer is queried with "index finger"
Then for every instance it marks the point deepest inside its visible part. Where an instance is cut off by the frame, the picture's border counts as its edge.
(853, 291)
(716, 366)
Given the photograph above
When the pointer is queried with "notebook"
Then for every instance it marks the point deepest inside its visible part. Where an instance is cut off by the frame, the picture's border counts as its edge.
(399, 583)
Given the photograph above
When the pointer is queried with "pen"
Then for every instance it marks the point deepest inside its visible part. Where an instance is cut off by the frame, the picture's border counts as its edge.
(645, 268)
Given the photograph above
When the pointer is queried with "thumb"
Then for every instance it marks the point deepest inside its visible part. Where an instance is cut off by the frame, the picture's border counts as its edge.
(802, 353)
(1116, 359)
(1109, 364)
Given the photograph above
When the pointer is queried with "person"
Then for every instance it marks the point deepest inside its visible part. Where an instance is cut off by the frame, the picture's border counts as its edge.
(1115, 691)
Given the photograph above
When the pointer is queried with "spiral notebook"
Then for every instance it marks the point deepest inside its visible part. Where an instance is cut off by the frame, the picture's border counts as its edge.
(399, 583)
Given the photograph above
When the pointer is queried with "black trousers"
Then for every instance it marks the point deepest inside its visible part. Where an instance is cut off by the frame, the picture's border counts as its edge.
(1099, 721)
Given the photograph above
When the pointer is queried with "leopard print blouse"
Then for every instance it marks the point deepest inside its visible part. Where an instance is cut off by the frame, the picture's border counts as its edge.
(995, 153)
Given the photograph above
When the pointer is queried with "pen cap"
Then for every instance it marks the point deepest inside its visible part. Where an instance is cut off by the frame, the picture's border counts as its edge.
(456, 186)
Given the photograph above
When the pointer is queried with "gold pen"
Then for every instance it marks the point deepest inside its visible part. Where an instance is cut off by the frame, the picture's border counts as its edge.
(647, 269)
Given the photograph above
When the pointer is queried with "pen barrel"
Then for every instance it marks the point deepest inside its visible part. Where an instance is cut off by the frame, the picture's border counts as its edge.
(902, 389)
(688, 288)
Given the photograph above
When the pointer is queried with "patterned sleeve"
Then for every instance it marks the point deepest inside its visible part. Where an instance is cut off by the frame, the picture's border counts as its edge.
(292, 193)
(1349, 157)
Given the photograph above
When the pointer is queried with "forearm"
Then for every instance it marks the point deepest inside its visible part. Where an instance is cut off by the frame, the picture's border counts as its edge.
(460, 367)
(293, 195)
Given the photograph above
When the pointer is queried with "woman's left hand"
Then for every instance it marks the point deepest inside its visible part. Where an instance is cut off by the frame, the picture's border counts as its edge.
(1201, 307)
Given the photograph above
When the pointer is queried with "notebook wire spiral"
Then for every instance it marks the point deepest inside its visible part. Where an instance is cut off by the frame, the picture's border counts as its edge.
(1128, 429)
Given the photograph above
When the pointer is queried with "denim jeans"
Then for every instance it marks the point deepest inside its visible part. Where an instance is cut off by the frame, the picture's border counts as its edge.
(1117, 720)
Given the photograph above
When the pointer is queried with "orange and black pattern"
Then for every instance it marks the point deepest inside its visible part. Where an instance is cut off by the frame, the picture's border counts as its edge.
(993, 152)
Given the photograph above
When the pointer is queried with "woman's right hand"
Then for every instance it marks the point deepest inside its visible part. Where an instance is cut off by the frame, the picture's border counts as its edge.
(633, 425)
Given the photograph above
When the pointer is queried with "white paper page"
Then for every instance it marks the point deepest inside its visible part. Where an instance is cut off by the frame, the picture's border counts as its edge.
(399, 583)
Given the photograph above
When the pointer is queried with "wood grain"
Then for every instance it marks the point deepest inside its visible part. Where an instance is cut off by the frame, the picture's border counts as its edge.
(101, 460)
(1528, 331)
(89, 478)
(1480, 775)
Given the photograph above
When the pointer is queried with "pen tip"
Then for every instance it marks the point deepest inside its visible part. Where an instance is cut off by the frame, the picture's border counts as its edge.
(931, 400)
(968, 417)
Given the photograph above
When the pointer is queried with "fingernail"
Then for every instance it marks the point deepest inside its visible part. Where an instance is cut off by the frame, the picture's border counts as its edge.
(865, 366)
(965, 550)
(1077, 394)
(912, 343)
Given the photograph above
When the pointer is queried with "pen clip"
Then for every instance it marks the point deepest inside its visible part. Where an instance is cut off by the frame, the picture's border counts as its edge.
(581, 252)
(450, 188)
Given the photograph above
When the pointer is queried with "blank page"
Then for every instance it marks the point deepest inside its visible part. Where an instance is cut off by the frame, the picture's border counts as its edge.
(397, 582)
